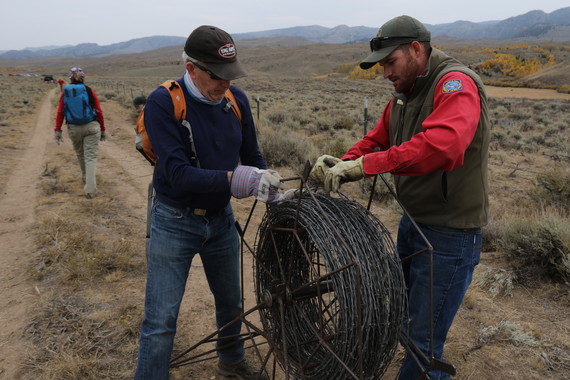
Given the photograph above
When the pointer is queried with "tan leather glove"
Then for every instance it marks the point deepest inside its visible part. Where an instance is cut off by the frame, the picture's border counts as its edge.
(319, 170)
(345, 171)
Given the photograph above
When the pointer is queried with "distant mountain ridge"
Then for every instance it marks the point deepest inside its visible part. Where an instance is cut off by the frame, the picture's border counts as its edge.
(341, 34)
(137, 45)
(554, 26)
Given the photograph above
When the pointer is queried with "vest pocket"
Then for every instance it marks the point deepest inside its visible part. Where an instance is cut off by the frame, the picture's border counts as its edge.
(444, 185)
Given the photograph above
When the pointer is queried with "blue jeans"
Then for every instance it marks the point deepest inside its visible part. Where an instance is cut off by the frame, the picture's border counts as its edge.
(176, 236)
(456, 252)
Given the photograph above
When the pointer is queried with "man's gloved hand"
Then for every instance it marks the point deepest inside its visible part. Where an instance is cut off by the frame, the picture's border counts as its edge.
(289, 194)
(319, 170)
(58, 137)
(262, 184)
(103, 136)
(345, 171)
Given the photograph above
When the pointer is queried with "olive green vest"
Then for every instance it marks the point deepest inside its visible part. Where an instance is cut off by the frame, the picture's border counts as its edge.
(456, 198)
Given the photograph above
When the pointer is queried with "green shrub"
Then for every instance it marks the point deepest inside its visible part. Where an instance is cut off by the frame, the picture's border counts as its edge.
(507, 333)
(344, 123)
(381, 191)
(539, 247)
(565, 89)
(553, 189)
(492, 235)
(336, 148)
(284, 148)
(277, 117)
(496, 282)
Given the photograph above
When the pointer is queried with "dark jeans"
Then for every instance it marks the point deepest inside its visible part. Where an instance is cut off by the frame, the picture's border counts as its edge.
(176, 236)
(456, 252)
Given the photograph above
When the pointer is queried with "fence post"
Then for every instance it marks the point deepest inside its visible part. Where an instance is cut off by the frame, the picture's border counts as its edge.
(258, 101)
(365, 114)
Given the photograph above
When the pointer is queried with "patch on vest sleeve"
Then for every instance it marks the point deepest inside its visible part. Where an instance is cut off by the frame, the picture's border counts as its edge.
(452, 86)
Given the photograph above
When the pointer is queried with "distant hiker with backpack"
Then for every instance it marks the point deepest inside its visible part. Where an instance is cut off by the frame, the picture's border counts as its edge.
(79, 106)
(203, 158)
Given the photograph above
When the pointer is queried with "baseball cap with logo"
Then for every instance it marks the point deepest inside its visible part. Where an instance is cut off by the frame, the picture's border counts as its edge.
(398, 31)
(215, 48)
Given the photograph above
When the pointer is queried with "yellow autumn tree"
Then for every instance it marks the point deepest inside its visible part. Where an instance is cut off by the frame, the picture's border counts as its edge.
(510, 65)
(371, 73)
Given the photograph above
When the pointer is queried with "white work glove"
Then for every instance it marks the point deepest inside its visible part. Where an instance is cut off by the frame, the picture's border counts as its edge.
(262, 184)
(319, 170)
(58, 137)
(345, 171)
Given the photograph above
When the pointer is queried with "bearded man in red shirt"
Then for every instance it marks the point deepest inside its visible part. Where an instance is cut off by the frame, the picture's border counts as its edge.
(433, 136)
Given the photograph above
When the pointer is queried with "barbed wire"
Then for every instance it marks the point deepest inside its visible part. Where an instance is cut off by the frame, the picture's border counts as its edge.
(336, 285)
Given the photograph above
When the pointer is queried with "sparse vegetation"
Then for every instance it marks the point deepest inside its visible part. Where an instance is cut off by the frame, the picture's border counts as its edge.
(539, 247)
(552, 188)
(89, 255)
(497, 282)
(507, 333)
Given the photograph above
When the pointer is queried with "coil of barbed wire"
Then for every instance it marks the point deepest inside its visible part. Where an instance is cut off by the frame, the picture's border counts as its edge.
(332, 288)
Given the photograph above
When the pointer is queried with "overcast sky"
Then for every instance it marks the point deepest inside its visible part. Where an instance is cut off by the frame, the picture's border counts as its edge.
(33, 23)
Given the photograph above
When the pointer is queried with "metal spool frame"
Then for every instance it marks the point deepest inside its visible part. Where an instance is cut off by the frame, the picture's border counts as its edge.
(329, 307)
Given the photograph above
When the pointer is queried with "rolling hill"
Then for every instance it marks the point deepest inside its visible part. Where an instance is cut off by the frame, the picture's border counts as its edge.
(538, 25)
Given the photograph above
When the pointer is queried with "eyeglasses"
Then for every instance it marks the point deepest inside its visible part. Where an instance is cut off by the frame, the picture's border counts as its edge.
(211, 74)
(376, 42)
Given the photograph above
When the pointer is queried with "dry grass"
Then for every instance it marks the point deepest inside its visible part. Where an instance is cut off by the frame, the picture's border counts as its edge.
(75, 338)
(19, 97)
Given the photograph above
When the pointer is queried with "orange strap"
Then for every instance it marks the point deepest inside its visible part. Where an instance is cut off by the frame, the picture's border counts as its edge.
(231, 98)
(179, 103)
(177, 96)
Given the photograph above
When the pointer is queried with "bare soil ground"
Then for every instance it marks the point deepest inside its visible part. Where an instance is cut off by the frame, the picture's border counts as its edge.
(541, 312)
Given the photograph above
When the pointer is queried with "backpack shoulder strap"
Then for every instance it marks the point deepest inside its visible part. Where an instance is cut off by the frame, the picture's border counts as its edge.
(90, 95)
(179, 103)
(177, 96)
(232, 99)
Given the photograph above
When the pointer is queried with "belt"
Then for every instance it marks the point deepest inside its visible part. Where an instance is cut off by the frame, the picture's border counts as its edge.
(204, 212)
(188, 210)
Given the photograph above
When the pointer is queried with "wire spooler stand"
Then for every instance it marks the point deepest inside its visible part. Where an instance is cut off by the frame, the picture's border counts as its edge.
(330, 292)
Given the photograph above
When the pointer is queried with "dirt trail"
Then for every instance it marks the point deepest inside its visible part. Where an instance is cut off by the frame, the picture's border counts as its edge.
(137, 172)
(529, 93)
(18, 289)
(17, 211)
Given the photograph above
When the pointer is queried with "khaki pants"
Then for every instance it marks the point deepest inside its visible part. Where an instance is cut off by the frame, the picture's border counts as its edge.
(85, 139)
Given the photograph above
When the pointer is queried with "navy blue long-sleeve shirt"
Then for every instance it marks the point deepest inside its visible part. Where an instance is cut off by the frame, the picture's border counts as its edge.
(221, 144)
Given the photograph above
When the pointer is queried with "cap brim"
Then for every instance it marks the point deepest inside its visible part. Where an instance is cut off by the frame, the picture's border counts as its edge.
(377, 56)
(227, 71)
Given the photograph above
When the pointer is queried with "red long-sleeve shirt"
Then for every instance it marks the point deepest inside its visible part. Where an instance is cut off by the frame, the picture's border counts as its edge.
(59, 117)
(447, 132)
